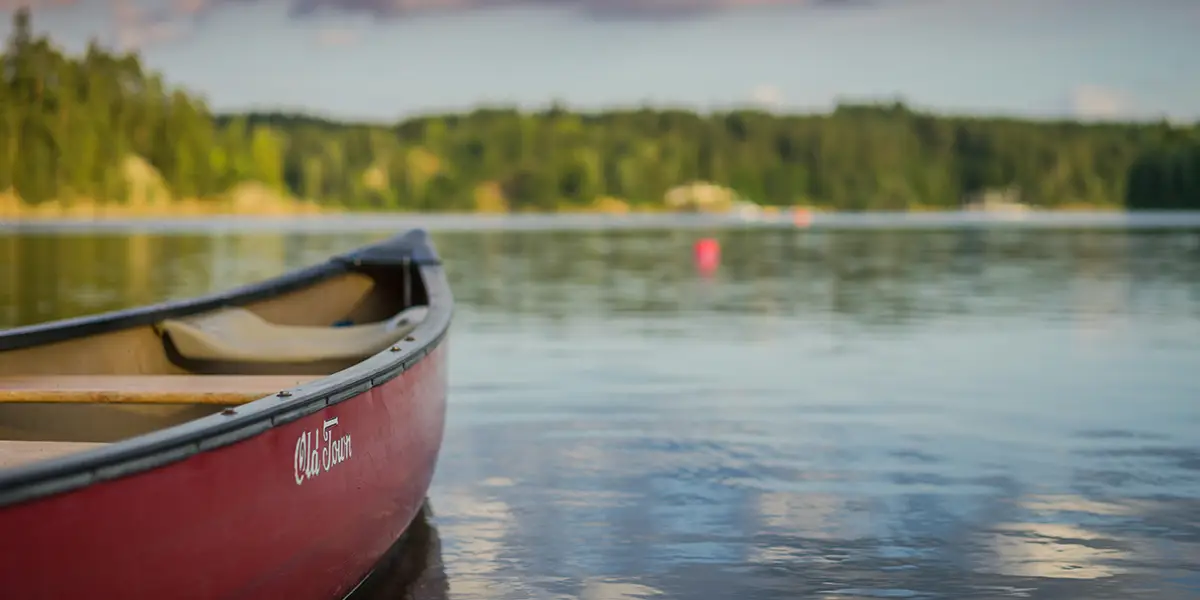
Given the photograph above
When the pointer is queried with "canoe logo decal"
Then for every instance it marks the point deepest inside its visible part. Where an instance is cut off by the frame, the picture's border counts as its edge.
(318, 451)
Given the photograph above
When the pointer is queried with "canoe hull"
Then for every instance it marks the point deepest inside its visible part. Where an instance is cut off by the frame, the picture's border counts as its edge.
(300, 510)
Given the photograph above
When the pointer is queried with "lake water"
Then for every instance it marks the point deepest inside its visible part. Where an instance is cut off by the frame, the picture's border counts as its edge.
(836, 414)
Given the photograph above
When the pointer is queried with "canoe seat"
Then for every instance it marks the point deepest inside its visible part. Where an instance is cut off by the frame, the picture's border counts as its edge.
(17, 453)
(145, 389)
(239, 335)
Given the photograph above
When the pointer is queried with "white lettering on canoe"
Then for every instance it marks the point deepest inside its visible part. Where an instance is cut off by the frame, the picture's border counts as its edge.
(318, 451)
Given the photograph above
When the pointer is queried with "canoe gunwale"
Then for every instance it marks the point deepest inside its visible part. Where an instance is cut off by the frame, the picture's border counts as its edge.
(158, 448)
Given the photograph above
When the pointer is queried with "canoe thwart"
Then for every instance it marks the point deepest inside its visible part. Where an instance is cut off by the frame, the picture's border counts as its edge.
(145, 389)
(240, 335)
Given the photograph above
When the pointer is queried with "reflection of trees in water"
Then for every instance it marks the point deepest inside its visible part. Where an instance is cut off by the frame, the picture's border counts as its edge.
(10, 278)
(44, 277)
(69, 275)
(881, 277)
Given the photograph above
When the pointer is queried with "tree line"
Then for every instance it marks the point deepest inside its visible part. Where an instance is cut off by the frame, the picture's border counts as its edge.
(71, 124)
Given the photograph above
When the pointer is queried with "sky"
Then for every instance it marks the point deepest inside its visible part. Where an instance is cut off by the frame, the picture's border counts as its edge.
(387, 59)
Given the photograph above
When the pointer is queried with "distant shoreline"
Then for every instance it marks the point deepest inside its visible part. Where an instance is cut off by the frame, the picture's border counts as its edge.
(186, 211)
(169, 157)
(383, 222)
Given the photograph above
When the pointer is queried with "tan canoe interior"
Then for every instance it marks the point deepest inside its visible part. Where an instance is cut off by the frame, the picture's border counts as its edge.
(70, 396)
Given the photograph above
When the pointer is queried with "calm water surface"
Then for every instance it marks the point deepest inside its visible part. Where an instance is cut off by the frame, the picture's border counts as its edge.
(832, 414)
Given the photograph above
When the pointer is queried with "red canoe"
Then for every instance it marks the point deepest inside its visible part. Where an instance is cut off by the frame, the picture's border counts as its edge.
(268, 442)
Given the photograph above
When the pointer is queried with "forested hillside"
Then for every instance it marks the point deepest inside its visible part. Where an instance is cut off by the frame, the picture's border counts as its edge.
(100, 129)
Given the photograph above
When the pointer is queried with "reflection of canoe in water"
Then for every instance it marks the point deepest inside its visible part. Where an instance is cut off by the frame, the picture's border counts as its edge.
(269, 442)
(412, 569)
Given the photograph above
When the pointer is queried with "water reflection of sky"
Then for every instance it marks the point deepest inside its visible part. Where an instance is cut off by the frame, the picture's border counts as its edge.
(872, 414)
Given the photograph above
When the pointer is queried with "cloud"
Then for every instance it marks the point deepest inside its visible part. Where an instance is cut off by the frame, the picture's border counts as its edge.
(164, 20)
(35, 5)
(191, 7)
(632, 9)
(600, 8)
(767, 96)
(336, 36)
(1096, 102)
(138, 26)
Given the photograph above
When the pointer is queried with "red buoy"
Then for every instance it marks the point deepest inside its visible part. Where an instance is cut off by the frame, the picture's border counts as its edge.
(707, 254)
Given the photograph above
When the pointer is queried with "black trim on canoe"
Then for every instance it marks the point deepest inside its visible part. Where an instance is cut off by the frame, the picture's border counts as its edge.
(175, 443)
